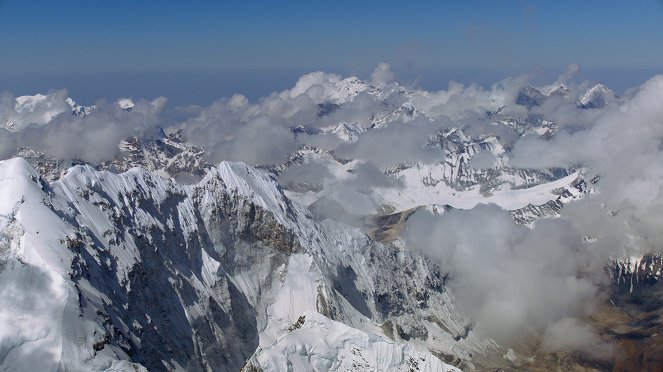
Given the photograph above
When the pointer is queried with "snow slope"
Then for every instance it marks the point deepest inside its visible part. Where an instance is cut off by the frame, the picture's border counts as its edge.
(317, 343)
(40, 327)
(415, 193)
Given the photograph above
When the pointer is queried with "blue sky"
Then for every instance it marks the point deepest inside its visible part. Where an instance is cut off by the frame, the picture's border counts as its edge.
(207, 49)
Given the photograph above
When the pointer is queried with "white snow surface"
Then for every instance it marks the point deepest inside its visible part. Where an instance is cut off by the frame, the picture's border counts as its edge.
(417, 189)
(28, 102)
(38, 109)
(346, 132)
(321, 344)
(597, 96)
(39, 325)
(415, 193)
(125, 103)
(323, 87)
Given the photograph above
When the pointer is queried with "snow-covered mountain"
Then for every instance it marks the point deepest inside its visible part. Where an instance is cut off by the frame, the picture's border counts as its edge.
(168, 155)
(138, 268)
(597, 96)
(452, 181)
(39, 109)
(529, 96)
(78, 110)
(346, 132)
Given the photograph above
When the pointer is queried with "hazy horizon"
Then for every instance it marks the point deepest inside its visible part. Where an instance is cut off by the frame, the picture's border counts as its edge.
(184, 88)
(197, 53)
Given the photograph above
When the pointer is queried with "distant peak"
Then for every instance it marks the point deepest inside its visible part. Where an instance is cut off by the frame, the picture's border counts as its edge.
(125, 104)
(597, 96)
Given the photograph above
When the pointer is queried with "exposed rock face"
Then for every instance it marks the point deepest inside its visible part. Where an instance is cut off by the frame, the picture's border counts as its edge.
(635, 277)
(166, 154)
(529, 96)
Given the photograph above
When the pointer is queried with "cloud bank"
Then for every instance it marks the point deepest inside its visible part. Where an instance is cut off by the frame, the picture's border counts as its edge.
(514, 281)
(46, 123)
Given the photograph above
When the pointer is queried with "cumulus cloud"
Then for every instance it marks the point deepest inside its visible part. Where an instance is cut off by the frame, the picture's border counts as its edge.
(395, 144)
(347, 197)
(40, 109)
(483, 160)
(511, 279)
(8, 144)
(545, 279)
(382, 75)
(260, 132)
(566, 78)
(235, 130)
(46, 123)
(622, 144)
(570, 334)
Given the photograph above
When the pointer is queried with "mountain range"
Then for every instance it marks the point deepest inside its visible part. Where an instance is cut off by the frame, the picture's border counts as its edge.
(162, 258)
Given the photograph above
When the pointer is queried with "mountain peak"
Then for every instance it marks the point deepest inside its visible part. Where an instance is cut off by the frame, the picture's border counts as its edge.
(126, 104)
(529, 96)
(597, 96)
(562, 91)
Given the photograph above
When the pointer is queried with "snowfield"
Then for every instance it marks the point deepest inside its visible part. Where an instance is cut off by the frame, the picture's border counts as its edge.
(317, 343)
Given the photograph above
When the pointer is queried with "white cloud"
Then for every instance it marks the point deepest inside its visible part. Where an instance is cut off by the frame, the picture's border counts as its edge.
(382, 75)
(46, 123)
(512, 280)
